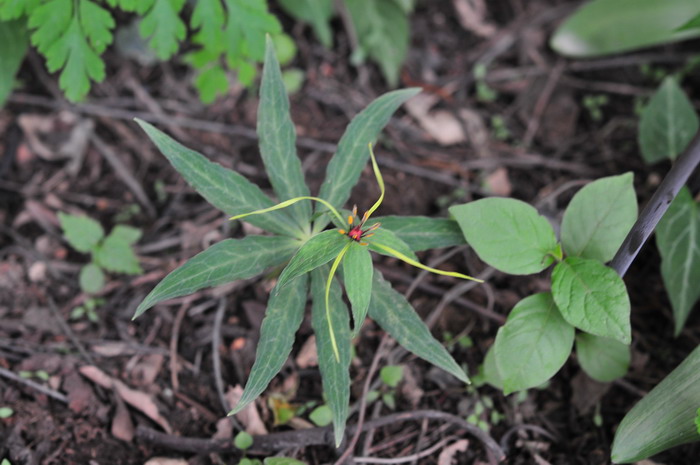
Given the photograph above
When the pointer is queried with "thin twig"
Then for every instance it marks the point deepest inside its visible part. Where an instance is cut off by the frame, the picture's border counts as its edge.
(657, 206)
(174, 337)
(68, 331)
(407, 458)
(29, 383)
(216, 361)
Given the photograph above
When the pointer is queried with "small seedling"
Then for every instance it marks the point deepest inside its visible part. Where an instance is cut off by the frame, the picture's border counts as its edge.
(594, 105)
(321, 415)
(391, 376)
(87, 310)
(6, 412)
(499, 129)
(39, 374)
(112, 253)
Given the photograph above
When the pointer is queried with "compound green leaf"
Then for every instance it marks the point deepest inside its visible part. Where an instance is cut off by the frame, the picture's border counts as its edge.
(395, 315)
(49, 22)
(593, 298)
(388, 238)
(278, 139)
(357, 277)
(334, 374)
(667, 124)
(603, 359)
(223, 262)
(97, 24)
(223, 188)
(507, 234)
(317, 251)
(599, 217)
(534, 343)
(162, 24)
(91, 278)
(315, 12)
(422, 232)
(678, 239)
(382, 30)
(664, 418)
(81, 232)
(211, 83)
(248, 22)
(284, 314)
(348, 162)
(15, 9)
(208, 18)
(13, 47)
(603, 27)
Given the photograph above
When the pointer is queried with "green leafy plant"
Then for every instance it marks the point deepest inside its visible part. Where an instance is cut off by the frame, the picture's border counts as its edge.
(87, 310)
(6, 412)
(586, 295)
(72, 35)
(313, 254)
(112, 253)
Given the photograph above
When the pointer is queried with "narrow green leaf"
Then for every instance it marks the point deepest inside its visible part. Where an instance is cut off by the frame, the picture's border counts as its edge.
(315, 12)
(81, 232)
(667, 124)
(603, 27)
(13, 47)
(664, 418)
(593, 298)
(284, 314)
(278, 139)
(603, 359)
(223, 188)
(599, 217)
(348, 162)
(534, 343)
(507, 234)
(678, 239)
(223, 262)
(317, 251)
(422, 232)
(335, 374)
(388, 238)
(395, 315)
(91, 278)
(357, 277)
(383, 33)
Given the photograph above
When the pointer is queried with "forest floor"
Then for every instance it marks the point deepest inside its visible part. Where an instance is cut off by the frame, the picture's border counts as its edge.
(117, 391)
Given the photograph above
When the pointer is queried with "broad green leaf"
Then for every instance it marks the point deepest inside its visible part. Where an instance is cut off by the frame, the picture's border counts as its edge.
(223, 188)
(422, 232)
(115, 252)
(603, 27)
(348, 162)
(91, 279)
(395, 315)
(599, 217)
(315, 12)
(243, 440)
(357, 277)
(593, 298)
(278, 140)
(223, 262)
(127, 234)
(317, 251)
(678, 239)
(382, 30)
(335, 374)
(284, 314)
(489, 369)
(667, 124)
(533, 345)
(603, 359)
(388, 238)
(663, 418)
(285, 48)
(507, 234)
(163, 26)
(13, 47)
(81, 232)
(248, 22)
(321, 416)
(391, 375)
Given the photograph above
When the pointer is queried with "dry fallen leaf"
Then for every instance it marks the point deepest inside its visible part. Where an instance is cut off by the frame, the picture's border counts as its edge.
(307, 356)
(449, 452)
(471, 15)
(146, 371)
(249, 416)
(137, 399)
(165, 461)
(498, 183)
(122, 426)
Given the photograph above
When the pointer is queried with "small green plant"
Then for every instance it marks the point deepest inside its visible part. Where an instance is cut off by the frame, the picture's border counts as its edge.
(594, 104)
(586, 295)
(87, 310)
(391, 376)
(321, 415)
(313, 255)
(112, 253)
(6, 412)
(73, 34)
(38, 374)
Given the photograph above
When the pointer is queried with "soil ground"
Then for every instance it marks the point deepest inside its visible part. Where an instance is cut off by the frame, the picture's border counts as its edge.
(171, 360)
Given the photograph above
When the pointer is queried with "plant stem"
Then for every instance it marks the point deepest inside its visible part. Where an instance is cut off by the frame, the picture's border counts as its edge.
(651, 215)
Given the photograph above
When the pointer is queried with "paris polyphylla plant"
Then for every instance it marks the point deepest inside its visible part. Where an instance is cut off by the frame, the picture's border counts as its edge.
(311, 256)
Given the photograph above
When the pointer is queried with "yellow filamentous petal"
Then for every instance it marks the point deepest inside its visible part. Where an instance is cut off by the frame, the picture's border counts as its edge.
(342, 231)
(334, 267)
(412, 262)
(350, 219)
(380, 181)
(287, 203)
